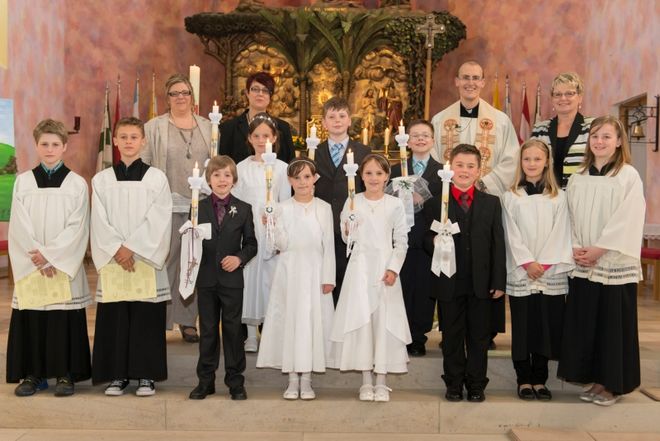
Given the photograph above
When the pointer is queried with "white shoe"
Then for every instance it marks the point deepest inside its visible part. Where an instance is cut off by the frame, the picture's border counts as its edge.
(604, 401)
(382, 393)
(587, 396)
(291, 392)
(145, 388)
(116, 387)
(306, 391)
(251, 344)
(366, 392)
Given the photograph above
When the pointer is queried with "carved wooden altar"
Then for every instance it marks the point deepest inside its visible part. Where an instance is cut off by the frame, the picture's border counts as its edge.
(374, 57)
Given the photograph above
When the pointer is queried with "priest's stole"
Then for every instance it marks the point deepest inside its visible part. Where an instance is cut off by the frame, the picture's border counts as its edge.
(37, 290)
(119, 285)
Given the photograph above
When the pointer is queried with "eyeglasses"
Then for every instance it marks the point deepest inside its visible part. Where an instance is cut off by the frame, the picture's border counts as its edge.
(421, 136)
(470, 77)
(569, 94)
(177, 93)
(259, 90)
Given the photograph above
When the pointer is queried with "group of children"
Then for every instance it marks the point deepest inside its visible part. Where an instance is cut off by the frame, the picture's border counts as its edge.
(384, 296)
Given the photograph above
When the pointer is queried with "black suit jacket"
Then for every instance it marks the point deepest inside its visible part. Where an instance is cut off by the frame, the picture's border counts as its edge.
(234, 134)
(486, 244)
(332, 185)
(418, 231)
(235, 237)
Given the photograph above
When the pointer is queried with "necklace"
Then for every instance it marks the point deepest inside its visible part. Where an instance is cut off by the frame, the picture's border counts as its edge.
(373, 205)
(188, 142)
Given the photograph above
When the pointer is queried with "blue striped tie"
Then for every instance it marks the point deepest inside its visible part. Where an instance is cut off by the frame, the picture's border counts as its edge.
(337, 153)
(418, 167)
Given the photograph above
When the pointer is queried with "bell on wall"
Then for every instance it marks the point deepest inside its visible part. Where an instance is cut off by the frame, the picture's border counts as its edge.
(638, 130)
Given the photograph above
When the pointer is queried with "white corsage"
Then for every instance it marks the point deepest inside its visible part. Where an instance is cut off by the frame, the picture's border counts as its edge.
(233, 210)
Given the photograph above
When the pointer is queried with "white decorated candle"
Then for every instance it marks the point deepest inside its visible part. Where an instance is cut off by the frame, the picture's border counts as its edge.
(349, 157)
(194, 76)
(312, 132)
(194, 203)
(402, 129)
(269, 147)
(216, 108)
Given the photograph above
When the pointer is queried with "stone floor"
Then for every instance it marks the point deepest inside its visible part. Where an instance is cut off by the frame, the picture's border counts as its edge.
(417, 410)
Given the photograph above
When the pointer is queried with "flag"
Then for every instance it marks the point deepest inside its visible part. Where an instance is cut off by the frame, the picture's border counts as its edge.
(116, 157)
(525, 129)
(104, 159)
(153, 105)
(537, 112)
(136, 97)
(507, 98)
(496, 94)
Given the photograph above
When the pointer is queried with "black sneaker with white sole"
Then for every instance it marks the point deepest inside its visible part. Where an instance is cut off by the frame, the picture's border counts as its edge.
(116, 387)
(145, 388)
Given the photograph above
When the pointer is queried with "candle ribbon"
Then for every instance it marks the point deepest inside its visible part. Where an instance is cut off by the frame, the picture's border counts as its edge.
(191, 255)
(444, 253)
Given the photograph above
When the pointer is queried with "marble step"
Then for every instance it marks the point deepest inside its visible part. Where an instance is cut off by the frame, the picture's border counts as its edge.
(334, 411)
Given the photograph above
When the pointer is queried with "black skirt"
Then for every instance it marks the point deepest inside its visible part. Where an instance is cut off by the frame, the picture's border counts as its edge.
(129, 342)
(48, 344)
(600, 341)
(537, 322)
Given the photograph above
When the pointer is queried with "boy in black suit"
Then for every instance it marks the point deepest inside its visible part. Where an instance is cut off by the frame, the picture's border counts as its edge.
(332, 186)
(416, 275)
(465, 298)
(220, 280)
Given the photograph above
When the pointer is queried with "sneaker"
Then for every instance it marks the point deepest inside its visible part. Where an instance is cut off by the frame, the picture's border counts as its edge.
(604, 401)
(251, 344)
(382, 393)
(145, 388)
(366, 392)
(64, 387)
(587, 396)
(116, 387)
(30, 385)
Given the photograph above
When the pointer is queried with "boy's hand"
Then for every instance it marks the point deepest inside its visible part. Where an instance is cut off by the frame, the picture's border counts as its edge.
(230, 263)
(417, 198)
(128, 265)
(389, 278)
(588, 256)
(535, 270)
(123, 254)
(48, 272)
(497, 293)
(327, 288)
(37, 258)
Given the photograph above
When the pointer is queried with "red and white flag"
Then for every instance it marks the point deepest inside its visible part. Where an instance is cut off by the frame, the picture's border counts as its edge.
(525, 124)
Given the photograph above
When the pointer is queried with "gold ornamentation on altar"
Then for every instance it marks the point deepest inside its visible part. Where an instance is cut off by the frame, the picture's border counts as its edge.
(484, 142)
(450, 138)
(324, 79)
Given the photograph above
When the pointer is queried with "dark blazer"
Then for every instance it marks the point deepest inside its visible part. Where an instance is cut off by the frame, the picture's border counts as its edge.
(486, 244)
(235, 237)
(234, 134)
(332, 185)
(418, 231)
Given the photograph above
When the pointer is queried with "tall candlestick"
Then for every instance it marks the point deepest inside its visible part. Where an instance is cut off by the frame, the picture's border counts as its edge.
(193, 76)
(312, 142)
(403, 155)
(215, 116)
(194, 203)
(444, 208)
(351, 168)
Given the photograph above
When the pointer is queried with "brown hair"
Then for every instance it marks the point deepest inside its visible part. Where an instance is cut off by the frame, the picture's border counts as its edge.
(53, 127)
(467, 149)
(259, 119)
(621, 154)
(550, 186)
(336, 103)
(262, 78)
(130, 121)
(219, 162)
(176, 79)
(379, 159)
(298, 165)
(420, 122)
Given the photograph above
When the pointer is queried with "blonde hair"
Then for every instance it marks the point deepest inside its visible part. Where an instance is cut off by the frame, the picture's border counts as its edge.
(570, 79)
(218, 163)
(550, 186)
(621, 155)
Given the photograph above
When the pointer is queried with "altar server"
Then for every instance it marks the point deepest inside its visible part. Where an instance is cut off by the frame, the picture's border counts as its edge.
(48, 235)
(251, 188)
(606, 204)
(130, 232)
(539, 258)
(296, 333)
(370, 329)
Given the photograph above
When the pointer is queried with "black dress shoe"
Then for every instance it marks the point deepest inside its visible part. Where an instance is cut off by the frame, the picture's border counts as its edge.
(416, 351)
(64, 387)
(201, 391)
(476, 395)
(238, 393)
(454, 394)
(526, 393)
(543, 394)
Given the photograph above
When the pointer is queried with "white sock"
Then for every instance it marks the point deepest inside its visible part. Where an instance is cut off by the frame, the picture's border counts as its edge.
(381, 379)
(367, 377)
(306, 382)
(252, 331)
(293, 380)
